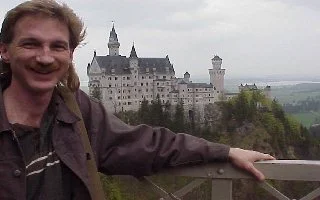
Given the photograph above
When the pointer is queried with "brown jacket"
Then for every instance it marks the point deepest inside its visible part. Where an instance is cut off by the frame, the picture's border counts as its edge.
(119, 148)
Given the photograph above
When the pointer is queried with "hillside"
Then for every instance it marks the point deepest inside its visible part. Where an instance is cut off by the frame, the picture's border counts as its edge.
(248, 121)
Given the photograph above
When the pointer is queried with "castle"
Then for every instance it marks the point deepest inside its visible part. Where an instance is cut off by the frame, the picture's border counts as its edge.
(125, 81)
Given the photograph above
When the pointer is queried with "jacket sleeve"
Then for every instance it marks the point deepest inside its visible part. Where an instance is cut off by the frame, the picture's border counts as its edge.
(141, 150)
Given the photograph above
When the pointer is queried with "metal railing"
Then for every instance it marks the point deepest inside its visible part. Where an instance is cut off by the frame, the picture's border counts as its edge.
(222, 174)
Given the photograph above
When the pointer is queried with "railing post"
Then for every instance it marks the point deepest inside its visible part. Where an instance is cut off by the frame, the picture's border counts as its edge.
(221, 189)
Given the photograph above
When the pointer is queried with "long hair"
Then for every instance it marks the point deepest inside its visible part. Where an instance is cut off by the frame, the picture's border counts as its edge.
(48, 8)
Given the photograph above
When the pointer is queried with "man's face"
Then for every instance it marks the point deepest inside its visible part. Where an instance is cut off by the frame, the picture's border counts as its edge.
(39, 54)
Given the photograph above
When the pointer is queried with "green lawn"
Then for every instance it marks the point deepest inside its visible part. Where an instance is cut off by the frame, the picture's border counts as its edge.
(307, 119)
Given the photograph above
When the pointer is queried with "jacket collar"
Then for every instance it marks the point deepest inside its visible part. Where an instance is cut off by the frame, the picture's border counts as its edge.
(64, 114)
(4, 123)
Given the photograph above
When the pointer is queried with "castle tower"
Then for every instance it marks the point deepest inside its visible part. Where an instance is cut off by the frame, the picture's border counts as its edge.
(217, 74)
(113, 43)
(267, 91)
(186, 77)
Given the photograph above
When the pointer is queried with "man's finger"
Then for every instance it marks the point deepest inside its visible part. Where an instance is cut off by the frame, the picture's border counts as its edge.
(255, 172)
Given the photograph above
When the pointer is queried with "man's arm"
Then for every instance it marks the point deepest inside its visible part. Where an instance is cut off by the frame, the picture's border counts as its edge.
(143, 150)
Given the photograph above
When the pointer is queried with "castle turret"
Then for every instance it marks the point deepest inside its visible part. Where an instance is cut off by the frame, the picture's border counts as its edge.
(217, 74)
(113, 43)
(186, 77)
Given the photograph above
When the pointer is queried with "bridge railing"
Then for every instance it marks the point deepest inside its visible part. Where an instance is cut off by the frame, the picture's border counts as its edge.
(222, 174)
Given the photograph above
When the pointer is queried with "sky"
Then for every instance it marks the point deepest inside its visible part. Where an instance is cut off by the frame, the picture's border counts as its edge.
(255, 38)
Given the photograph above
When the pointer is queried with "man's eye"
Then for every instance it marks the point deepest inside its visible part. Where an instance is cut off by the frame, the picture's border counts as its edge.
(59, 47)
(29, 45)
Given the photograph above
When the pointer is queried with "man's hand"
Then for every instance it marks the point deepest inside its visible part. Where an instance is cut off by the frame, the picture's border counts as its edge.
(244, 159)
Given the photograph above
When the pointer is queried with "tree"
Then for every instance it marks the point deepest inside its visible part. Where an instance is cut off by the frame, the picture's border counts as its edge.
(156, 112)
(144, 112)
(179, 120)
(96, 93)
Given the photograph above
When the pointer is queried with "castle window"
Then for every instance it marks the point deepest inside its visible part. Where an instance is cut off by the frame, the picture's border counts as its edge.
(118, 97)
(124, 84)
(110, 98)
(115, 78)
(129, 97)
(157, 83)
(147, 84)
(109, 85)
(123, 78)
(109, 78)
(129, 103)
(128, 78)
(147, 90)
(141, 84)
(164, 77)
(142, 77)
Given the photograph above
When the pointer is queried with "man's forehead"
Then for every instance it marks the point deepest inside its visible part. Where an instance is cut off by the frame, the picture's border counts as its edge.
(38, 25)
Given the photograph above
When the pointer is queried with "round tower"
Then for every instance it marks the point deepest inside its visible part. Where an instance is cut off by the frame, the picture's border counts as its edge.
(186, 77)
(217, 74)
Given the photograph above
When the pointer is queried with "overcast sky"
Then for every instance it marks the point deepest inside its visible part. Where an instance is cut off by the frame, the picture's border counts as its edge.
(255, 38)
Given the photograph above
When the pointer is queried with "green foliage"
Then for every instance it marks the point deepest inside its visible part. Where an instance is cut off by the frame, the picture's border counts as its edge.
(144, 112)
(96, 93)
(111, 188)
(248, 121)
(179, 118)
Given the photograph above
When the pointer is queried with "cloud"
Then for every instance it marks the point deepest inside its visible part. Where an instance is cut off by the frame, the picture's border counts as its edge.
(253, 37)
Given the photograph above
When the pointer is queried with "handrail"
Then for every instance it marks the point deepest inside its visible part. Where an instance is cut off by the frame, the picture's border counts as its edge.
(222, 174)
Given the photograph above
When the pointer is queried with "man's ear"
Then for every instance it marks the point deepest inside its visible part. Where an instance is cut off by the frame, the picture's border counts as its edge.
(4, 52)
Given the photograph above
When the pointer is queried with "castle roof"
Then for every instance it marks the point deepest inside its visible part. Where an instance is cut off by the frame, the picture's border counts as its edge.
(216, 57)
(133, 53)
(199, 85)
(113, 35)
(121, 65)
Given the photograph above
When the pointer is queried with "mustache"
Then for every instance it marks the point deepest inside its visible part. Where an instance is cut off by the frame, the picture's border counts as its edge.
(44, 68)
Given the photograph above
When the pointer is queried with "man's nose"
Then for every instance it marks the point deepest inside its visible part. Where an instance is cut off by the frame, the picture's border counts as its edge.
(44, 56)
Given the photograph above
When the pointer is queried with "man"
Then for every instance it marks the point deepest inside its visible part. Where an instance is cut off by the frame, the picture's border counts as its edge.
(42, 155)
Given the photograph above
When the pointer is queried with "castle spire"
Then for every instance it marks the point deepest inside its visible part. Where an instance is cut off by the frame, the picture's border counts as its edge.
(133, 53)
(113, 43)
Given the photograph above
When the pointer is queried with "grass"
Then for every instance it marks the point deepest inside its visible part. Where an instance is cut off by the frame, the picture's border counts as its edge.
(307, 118)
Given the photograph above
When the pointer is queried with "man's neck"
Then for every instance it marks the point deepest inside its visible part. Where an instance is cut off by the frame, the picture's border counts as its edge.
(25, 107)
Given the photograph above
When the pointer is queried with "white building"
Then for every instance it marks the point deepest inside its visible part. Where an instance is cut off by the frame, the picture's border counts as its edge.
(125, 81)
